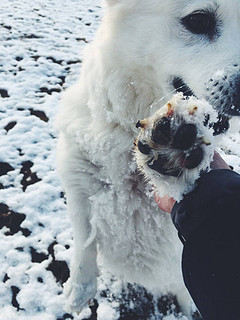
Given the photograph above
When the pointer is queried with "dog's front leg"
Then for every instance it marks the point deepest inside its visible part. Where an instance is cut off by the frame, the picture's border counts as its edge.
(81, 286)
(76, 172)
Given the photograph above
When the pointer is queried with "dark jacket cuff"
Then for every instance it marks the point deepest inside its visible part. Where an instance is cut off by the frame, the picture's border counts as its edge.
(216, 195)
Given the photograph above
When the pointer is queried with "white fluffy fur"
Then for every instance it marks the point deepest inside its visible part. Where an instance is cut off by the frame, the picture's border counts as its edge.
(127, 68)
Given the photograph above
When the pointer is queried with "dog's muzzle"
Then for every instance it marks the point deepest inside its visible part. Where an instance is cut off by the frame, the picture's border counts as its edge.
(234, 109)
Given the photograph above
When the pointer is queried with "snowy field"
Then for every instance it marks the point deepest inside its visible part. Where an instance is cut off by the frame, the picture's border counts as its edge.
(40, 56)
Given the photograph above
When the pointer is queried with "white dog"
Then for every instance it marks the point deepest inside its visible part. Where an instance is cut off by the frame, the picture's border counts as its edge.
(144, 51)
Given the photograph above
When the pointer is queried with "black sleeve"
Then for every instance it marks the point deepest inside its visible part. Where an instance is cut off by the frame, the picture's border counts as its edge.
(215, 190)
(208, 220)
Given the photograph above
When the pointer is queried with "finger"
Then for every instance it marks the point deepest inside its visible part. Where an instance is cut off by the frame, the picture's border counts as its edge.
(165, 203)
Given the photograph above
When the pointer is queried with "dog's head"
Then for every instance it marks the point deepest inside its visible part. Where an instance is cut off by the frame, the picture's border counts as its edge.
(192, 46)
(209, 32)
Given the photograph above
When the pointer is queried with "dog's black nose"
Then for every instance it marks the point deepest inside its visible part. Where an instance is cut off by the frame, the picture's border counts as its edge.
(234, 110)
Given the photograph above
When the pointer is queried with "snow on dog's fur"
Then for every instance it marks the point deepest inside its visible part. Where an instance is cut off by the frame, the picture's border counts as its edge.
(143, 51)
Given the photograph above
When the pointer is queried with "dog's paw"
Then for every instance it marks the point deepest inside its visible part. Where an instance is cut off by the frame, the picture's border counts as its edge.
(79, 295)
(175, 145)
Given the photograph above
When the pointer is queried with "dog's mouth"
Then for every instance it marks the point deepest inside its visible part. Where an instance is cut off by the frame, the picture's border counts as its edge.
(180, 86)
(222, 125)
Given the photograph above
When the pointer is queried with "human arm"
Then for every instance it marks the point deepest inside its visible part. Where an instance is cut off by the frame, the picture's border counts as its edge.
(208, 222)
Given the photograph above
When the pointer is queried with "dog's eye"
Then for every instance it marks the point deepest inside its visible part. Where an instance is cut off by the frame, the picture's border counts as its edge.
(200, 23)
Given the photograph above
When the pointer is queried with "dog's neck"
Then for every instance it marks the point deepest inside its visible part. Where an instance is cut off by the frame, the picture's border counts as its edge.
(126, 94)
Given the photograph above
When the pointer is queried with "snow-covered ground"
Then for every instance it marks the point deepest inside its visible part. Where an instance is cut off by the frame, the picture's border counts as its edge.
(40, 55)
